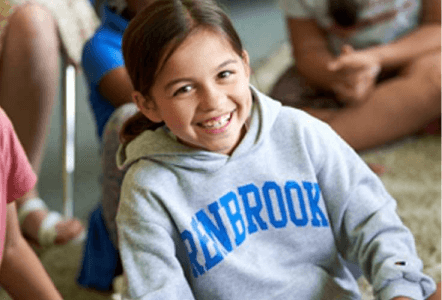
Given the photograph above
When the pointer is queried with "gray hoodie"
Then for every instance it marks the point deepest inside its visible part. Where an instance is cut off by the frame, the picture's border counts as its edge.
(274, 220)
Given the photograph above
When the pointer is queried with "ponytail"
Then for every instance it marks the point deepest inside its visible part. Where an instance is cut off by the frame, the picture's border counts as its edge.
(134, 126)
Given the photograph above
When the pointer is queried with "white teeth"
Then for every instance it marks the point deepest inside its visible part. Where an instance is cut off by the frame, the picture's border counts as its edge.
(217, 123)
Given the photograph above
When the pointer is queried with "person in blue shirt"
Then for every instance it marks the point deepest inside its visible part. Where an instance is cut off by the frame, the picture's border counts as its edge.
(110, 100)
(104, 69)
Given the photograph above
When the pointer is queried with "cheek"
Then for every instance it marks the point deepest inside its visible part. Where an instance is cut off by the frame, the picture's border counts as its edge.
(179, 116)
(242, 87)
(244, 95)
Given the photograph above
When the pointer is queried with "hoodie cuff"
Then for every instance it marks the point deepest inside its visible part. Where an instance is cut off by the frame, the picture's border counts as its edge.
(404, 288)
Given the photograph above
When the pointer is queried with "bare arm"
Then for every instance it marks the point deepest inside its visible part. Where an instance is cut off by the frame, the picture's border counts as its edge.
(21, 273)
(311, 52)
(318, 65)
(425, 39)
(313, 57)
(116, 87)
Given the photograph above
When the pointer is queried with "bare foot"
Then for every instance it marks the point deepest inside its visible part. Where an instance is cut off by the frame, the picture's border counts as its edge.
(377, 168)
(67, 230)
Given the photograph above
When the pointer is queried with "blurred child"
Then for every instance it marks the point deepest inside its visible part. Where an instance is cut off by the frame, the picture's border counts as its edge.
(228, 194)
(110, 99)
(370, 69)
(21, 273)
(110, 95)
(31, 39)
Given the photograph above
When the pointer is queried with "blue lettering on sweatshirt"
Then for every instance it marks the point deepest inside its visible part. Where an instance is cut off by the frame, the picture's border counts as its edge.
(314, 208)
(289, 186)
(252, 212)
(268, 188)
(219, 232)
(234, 216)
(197, 269)
(209, 233)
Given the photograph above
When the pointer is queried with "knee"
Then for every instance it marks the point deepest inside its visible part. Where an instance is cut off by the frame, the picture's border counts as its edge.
(33, 23)
(426, 72)
(433, 74)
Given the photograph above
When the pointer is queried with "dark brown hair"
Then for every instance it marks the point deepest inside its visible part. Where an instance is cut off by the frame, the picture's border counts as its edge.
(344, 12)
(152, 37)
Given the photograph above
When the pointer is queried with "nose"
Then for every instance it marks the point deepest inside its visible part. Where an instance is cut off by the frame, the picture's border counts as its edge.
(212, 98)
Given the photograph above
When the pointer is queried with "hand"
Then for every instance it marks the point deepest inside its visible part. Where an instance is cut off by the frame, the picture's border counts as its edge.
(352, 59)
(356, 73)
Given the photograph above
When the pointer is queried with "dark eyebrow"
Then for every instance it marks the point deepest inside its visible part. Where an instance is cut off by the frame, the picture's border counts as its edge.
(227, 62)
(175, 81)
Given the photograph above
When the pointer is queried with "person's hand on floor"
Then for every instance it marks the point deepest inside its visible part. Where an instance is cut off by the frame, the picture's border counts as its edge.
(378, 169)
(356, 73)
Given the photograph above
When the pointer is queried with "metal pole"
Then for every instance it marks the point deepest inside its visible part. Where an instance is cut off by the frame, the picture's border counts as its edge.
(68, 113)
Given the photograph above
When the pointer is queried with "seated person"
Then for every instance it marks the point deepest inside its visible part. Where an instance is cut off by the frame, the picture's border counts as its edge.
(29, 54)
(21, 273)
(371, 69)
(110, 98)
(230, 195)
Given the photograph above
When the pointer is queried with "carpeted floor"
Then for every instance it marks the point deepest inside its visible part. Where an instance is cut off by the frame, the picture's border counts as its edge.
(413, 177)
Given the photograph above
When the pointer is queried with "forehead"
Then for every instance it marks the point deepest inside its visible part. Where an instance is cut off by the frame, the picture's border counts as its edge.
(201, 46)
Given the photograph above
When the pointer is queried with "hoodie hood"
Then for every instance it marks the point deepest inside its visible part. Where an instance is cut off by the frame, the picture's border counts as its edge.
(162, 147)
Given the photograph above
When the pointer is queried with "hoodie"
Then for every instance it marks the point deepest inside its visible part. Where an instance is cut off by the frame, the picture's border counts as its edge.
(277, 219)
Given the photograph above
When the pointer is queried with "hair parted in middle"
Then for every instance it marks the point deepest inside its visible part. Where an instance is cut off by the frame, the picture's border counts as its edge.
(152, 37)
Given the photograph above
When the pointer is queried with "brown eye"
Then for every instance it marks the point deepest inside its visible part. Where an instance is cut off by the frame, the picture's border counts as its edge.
(182, 90)
(225, 74)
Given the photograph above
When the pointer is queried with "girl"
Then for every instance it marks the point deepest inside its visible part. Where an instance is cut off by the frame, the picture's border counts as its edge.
(371, 69)
(228, 195)
(21, 273)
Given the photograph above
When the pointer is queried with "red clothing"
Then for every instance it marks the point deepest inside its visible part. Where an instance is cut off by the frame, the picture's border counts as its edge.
(16, 174)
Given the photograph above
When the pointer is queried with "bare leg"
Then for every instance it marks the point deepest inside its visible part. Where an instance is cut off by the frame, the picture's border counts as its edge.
(21, 267)
(28, 83)
(397, 107)
(437, 294)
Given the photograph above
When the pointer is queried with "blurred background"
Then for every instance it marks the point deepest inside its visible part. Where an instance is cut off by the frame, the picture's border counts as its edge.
(261, 26)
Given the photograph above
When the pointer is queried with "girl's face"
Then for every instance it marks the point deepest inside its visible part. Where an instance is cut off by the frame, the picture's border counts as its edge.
(202, 93)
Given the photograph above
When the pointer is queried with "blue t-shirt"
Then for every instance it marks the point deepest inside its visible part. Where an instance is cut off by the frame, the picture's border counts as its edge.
(102, 54)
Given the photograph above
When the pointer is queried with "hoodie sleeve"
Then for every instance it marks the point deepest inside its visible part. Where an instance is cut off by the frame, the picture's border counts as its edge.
(363, 215)
(147, 246)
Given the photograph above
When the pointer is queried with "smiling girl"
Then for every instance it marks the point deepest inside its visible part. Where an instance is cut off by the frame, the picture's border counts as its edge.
(228, 194)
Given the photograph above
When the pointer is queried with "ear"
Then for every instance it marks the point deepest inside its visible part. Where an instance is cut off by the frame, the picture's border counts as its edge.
(147, 107)
(246, 61)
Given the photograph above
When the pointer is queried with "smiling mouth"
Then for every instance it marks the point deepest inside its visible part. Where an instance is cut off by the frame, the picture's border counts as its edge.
(216, 123)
